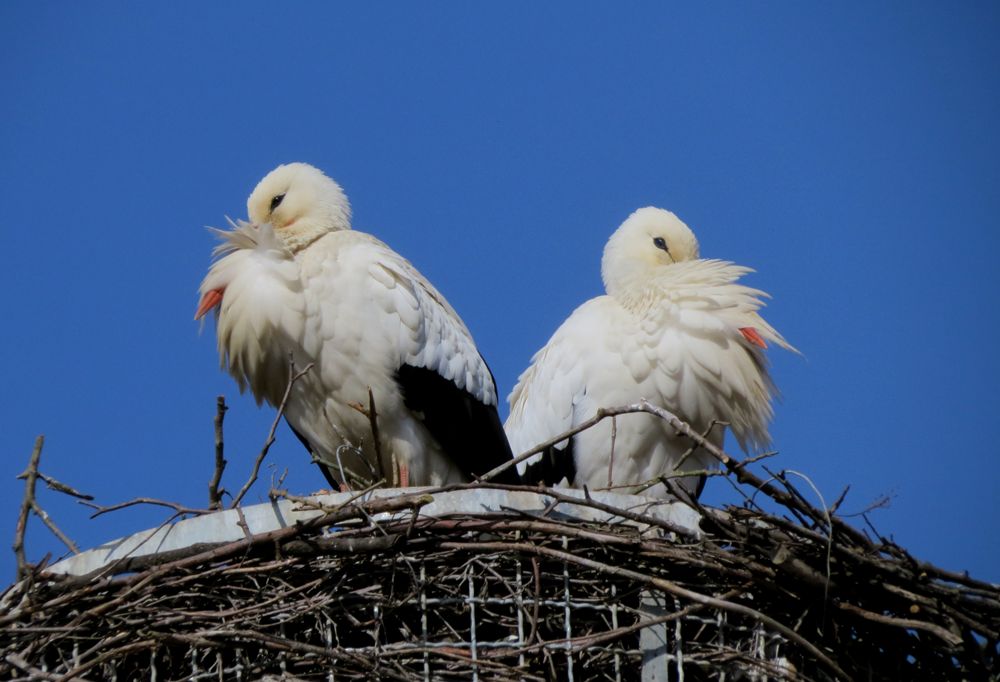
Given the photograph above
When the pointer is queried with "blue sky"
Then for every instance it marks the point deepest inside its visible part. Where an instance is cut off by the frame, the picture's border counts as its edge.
(849, 152)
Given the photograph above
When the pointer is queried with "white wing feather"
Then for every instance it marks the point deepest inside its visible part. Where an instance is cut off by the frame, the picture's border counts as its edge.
(388, 313)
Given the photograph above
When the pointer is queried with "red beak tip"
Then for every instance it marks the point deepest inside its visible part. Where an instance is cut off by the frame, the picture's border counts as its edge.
(753, 336)
(210, 300)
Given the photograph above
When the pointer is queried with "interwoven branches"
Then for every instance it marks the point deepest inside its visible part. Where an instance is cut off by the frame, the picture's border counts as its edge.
(376, 587)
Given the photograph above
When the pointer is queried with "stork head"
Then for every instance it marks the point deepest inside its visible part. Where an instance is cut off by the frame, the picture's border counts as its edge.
(301, 204)
(650, 239)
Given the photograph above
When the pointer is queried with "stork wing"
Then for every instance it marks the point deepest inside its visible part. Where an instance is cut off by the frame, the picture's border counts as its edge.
(444, 380)
(553, 395)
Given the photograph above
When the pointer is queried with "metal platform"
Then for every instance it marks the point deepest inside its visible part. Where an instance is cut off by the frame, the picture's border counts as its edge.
(224, 526)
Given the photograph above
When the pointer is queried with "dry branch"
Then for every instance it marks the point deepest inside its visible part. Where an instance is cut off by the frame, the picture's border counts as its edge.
(59, 487)
(30, 475)
(214, 493)
(379, 589)
(100, 510)
(372, 415)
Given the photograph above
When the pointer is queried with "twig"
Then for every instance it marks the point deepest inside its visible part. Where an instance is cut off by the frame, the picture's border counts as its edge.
(642, 486)
(307, 503)
(242, 523)
(376, 438)
(537, 575)
(293, 376)
(372, 414)
(179, 508)
(18, 662)
(214, 494)
(59, 487)
(840, 500)
(47, 520)
(611, 459)
(881, 502)
(639, 488)
(829, 524)
(949, 637)
(603, 413)
(30, 475)
(691, 450)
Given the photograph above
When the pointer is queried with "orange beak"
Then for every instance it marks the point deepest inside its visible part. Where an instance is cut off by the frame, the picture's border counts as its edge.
(208, 301)
(749, 333)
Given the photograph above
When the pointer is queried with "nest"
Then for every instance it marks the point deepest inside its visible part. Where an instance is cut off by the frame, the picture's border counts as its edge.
(576, 586)
(496, 582)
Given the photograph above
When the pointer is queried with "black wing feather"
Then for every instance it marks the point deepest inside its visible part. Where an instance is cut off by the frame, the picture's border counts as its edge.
(553, 466)
(469, 431)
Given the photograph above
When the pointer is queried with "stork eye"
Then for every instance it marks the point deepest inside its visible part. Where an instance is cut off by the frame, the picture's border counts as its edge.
(660, 243)
(276, 201)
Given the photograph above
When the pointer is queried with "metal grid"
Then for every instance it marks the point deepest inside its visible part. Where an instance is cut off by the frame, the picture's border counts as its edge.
(447, 604)
(486, 619)
(471, 624)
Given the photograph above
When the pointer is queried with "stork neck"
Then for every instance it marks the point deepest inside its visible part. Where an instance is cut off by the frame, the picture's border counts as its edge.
(297, 239)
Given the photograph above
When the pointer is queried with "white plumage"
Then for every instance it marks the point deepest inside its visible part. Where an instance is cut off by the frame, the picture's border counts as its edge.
(298, 281)
(674, 329)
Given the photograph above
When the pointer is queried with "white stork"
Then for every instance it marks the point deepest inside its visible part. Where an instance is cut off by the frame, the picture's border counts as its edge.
(297, 282)
(674, 329)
